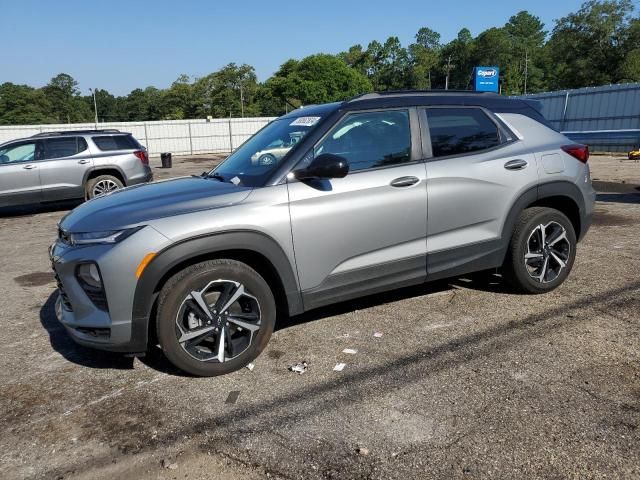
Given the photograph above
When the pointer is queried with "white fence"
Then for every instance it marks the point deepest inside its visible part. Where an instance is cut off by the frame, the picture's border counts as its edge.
(182, 137)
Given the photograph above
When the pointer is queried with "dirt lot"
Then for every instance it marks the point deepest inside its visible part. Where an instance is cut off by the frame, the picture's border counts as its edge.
(467, 381)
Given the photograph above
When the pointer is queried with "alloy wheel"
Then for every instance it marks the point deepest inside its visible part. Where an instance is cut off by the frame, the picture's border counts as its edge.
(548, 251)
(218, 322)
(104, 186)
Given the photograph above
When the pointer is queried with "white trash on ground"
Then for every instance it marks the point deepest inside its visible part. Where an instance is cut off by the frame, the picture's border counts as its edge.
(299, 367)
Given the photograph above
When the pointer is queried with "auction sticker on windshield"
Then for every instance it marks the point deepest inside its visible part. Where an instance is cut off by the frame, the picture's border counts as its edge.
(305, 121)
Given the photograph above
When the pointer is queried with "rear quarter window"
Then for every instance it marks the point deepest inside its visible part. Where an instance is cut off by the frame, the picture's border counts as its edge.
(458, 131)
(116, 142)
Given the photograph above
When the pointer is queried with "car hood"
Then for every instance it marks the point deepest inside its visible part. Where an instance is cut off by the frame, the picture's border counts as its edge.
(138, 204)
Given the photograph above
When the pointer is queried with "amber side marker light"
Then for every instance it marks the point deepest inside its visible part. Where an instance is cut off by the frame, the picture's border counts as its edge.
(143, 264)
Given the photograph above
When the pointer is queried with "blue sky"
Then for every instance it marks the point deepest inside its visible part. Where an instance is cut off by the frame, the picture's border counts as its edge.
(120, 45)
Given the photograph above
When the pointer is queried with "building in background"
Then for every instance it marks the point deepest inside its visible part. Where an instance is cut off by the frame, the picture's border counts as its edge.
(606, 118)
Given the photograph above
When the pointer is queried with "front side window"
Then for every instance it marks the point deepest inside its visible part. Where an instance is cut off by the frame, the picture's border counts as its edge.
(63, 147)
(24, 152)
(370, 139)
(456, 131)
(257, 158)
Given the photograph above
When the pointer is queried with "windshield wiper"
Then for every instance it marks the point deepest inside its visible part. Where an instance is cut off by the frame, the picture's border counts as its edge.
(217, 176)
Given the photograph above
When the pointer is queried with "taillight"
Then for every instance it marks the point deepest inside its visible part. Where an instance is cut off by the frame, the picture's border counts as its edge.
(577, 150)
(143, 156)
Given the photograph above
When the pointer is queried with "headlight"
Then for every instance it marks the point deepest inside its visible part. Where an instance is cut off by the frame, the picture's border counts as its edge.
(110, 236)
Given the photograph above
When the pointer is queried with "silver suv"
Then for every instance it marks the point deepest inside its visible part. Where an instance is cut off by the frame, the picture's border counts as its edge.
(382, 191)
(73, 164)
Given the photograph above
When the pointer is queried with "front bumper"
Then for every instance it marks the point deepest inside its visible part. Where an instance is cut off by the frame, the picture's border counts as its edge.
(112, 328)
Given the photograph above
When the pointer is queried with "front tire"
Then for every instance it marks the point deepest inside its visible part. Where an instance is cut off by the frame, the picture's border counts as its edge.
(215, 317)
(541, 252)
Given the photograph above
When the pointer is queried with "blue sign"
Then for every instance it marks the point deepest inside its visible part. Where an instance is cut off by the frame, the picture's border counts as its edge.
(487, 79)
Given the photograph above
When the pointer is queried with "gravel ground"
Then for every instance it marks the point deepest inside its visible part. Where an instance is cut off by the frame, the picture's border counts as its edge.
(467, 380)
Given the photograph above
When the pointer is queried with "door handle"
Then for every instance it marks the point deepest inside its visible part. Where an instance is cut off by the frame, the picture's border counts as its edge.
(515, 164)
(404, 181)
(29, 167)
(82, 162)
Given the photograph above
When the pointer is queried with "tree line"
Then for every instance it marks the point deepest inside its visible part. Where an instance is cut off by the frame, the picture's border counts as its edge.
(599, 44)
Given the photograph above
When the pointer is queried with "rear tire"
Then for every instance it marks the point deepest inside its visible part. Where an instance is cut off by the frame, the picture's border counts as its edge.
(230, 337)
(541, 252)
(101, 185)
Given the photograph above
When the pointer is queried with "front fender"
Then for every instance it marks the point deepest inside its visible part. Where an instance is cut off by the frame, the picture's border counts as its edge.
(166, 260)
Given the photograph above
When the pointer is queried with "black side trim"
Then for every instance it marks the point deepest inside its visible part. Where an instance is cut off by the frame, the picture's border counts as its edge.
(366, 281)
(467, 259)
(162, 263)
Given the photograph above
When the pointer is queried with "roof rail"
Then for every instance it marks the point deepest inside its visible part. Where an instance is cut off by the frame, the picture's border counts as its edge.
(75, 132)
(398, 93)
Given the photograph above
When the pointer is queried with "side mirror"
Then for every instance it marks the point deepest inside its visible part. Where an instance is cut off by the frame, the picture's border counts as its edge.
(325, 165)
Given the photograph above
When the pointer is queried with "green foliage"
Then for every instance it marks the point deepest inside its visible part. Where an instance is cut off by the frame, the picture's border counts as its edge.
(23, 105)
(317, 79)
(587, 48)
(598, 44)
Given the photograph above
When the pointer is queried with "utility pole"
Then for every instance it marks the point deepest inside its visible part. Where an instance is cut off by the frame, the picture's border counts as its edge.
(446, 82)
(241, 100)
(95, 105)
(526, 69)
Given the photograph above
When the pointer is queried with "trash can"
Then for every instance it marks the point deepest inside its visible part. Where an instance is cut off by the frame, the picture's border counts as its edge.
(165, 158)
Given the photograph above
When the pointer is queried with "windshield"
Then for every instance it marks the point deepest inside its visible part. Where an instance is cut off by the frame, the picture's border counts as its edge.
(259, 156)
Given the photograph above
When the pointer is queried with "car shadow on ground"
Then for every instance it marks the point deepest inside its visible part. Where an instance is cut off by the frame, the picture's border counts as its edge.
(487, 281)
(34, 209)
(62, 343)
(614, 192)
(618, 197)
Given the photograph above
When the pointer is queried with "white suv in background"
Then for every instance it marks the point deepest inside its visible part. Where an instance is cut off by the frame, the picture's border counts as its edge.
(66, 165)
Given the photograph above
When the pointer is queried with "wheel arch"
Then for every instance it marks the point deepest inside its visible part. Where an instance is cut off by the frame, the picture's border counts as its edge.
(256, 249)
(561, 195)
(105, 170)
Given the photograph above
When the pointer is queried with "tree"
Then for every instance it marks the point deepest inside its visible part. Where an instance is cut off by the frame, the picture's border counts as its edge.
(587, 47)
(109, 106)
(21, 104)
(527, 63)
(424, 56)
(457, 59)
(67, 105)
(228, 92)
(141, 105)
(388, 65)
(318, 78)
(630, 69)
(179, 100)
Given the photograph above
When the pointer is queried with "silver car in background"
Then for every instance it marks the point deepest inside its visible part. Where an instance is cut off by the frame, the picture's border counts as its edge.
(71, 164)
(382, 191)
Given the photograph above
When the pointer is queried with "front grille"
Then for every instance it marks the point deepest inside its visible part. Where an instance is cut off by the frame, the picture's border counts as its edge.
(63, 296)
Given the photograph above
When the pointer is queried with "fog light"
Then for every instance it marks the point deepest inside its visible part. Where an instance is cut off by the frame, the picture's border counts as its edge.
(89, 274)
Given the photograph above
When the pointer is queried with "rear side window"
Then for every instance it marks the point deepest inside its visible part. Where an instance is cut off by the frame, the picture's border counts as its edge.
(63, 147)
(370, 140)
(456, 131)
(116, 142)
